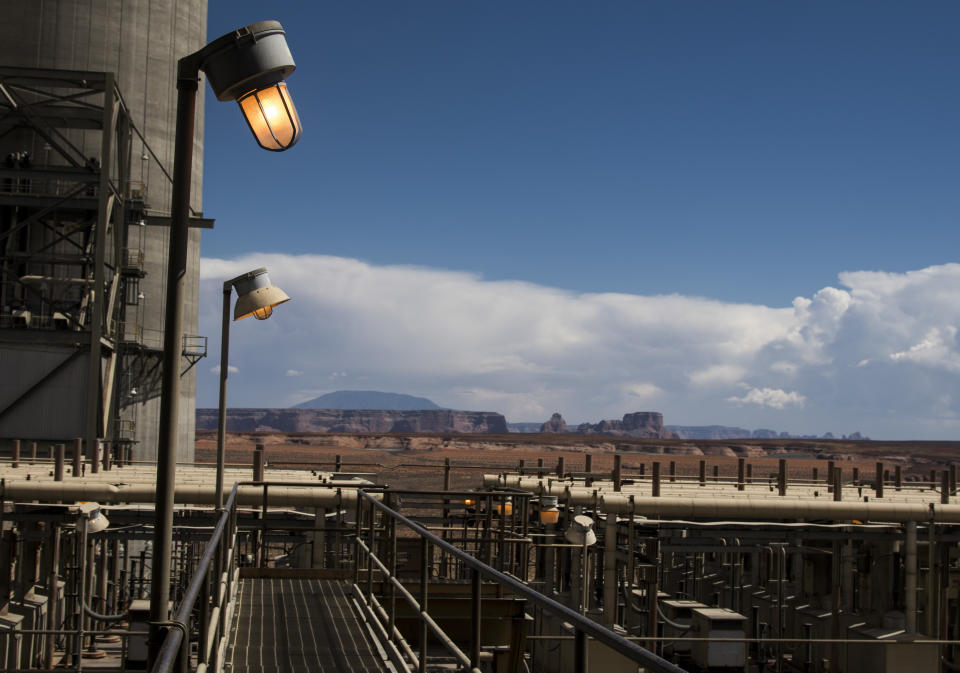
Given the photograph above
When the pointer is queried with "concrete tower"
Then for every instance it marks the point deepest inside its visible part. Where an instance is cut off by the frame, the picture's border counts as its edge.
(83, 268)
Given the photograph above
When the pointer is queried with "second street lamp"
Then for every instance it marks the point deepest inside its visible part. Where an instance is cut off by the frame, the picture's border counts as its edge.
(251, 61)
(255, 297)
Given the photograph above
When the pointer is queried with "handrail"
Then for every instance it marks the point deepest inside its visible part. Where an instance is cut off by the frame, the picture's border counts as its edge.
(580, 623)
(173, 642)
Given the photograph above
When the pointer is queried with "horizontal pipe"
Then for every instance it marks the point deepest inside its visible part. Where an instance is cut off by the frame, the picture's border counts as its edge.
(193, 494)
(764, 509)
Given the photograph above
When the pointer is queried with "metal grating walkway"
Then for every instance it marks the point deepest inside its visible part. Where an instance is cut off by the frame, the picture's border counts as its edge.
(290, 624)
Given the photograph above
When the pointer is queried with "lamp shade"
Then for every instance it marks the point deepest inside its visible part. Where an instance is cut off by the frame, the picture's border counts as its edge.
(581, 531)
(256, 296)
(249, 66)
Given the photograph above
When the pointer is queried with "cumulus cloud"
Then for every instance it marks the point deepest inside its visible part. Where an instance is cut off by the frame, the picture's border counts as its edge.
(877, 353)
(294, 372)
(230, 369)
(774, 398)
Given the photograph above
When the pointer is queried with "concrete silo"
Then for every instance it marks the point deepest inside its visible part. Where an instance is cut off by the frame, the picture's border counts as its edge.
(87, 121)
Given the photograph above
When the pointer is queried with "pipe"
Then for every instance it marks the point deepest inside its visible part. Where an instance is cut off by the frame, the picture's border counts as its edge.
(288, 496)
(910, 579)
(766, 509)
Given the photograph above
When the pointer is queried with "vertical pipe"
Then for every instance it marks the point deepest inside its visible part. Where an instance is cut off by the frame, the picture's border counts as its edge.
(741, 466)
(259, 462)
(560, 467)
(107, 448)
(879, 480)
(673, 470)
(77, 457)
(222, 398)
(838, 484)
(953, 479)
(898, 478)
(610, 571)
(58, 460)
(16, 453)
(944, 488)
(749, 473)
(716, 473)
(655, 480)
(816, 475)
(95, 456)
(446, 474)
(830, 466)
(617, 471)
(856, 475)
(932, 597)
(475, 617)
(910, 577)
(580, 664)
(53, 604)
(703, 473)
(782, 477)
(588, 468)
(424, 583)
(169, 421)
(653, 591)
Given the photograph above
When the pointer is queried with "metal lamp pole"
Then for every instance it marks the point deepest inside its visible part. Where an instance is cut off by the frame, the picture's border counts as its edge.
(257, 297)
(247, 65)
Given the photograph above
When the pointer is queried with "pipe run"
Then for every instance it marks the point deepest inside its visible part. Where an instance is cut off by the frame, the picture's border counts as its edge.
(286, 496)
(763, 509)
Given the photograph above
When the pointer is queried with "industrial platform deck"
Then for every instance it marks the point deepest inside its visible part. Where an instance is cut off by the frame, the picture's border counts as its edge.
(286, 625)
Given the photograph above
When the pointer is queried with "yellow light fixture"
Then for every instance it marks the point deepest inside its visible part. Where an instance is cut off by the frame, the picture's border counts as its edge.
(255, 295)
(271, 116)
(249, 66)
(549, 513)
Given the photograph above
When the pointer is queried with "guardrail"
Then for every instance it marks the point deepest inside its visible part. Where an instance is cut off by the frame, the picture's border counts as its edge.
(215, 577)
(366, 542)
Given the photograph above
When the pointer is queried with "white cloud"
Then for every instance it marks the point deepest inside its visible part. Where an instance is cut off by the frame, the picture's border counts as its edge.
(230, 369)
(527, 350)
(717, 375)
(775, 398)
(294, 372)
(937, 349)
(644, 392)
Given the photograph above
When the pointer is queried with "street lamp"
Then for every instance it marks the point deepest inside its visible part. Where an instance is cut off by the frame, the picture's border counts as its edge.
(255, 297)
(249, 65)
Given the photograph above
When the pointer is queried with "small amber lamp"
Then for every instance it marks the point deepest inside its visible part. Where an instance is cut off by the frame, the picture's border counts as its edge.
(549, 513)
(271, 116)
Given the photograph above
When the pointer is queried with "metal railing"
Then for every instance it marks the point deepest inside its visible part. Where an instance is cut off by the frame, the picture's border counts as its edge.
(366, 543)
(215, 578)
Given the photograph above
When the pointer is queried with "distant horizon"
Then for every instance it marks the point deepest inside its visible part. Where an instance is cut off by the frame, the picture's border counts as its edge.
(739, 211)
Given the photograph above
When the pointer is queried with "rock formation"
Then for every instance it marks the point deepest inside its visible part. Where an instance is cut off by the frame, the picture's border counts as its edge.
(637, 424)
(556, 425)
(355, 420)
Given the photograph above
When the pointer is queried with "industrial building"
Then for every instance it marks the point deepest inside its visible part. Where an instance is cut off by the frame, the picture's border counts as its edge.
(87, 117)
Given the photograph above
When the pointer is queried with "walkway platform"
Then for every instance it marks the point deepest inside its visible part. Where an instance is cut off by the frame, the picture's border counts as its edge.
(289, 624)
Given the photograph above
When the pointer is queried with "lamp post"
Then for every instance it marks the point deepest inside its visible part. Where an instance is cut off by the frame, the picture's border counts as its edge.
(249, 66)
(256, 297)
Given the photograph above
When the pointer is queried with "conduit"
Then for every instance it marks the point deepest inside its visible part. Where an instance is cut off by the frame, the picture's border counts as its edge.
(280, 496)
(761, 509)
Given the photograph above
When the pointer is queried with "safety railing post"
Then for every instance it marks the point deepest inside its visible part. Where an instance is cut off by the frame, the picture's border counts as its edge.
(475, 619)
(424, 583)
(371, 546)
(580, 652)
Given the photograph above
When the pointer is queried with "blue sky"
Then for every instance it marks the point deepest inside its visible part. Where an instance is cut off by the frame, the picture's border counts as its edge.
(747, 153)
